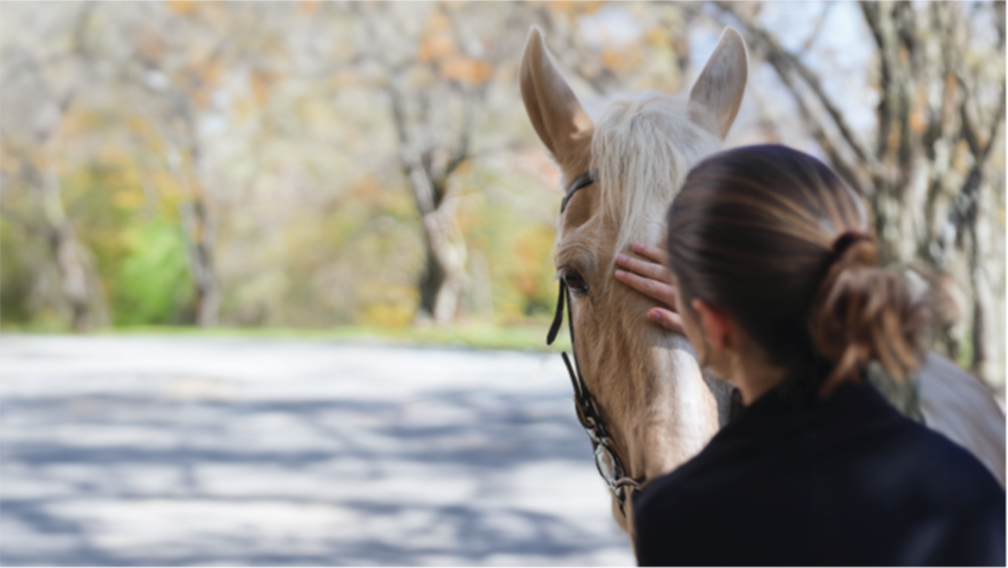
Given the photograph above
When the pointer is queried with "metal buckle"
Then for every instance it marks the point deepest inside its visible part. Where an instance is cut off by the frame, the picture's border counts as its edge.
(608, 466)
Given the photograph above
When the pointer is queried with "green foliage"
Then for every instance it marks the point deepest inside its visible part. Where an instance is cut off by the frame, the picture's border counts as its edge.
(139, 250)
(153, 282)
(964, 357)
(15, 276)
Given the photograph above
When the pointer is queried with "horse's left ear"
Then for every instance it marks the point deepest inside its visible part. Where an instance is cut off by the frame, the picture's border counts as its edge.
(717, 93)
(556, 114)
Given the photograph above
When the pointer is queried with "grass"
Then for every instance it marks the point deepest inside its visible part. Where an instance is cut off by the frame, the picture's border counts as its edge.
(475, 336)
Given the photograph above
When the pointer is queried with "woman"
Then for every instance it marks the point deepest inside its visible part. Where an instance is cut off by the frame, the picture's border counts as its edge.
(773, 279)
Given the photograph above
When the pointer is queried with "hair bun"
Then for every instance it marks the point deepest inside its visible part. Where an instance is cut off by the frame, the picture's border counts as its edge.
(865, 313)
(848, 239)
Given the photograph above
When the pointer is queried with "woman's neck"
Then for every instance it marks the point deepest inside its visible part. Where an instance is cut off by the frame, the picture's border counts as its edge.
(753, 377)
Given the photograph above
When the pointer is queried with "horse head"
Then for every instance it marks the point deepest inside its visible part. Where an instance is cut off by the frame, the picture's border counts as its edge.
(656, 405)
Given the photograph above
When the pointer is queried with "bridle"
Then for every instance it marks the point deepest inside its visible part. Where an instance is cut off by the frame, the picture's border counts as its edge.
(607, 460)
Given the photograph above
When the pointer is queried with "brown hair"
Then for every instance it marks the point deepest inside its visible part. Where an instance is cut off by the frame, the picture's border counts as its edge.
(779, 241)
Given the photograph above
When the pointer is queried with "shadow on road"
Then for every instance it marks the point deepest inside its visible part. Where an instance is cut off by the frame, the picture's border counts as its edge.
(480, 474)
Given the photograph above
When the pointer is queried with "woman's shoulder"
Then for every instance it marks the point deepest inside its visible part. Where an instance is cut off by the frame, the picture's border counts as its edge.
(705, 487)
(873, 451)
(874, 486)
(942, 468)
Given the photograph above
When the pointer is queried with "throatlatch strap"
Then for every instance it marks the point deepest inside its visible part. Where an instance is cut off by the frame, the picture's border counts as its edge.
(578, 395)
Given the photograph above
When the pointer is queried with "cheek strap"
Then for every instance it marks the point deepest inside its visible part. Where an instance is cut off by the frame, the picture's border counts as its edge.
(558, 315)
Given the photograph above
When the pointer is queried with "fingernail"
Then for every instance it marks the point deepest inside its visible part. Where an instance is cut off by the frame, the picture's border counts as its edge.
(653, 315)
(620, 273)
(638, 246)
(621, 258)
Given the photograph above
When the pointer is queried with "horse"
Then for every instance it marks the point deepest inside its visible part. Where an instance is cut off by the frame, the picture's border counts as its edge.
(639, 391)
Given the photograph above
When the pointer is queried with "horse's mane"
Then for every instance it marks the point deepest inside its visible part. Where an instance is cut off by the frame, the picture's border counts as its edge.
(642, 148)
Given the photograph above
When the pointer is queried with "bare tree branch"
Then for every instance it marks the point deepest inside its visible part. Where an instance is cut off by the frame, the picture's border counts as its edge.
(785, 61)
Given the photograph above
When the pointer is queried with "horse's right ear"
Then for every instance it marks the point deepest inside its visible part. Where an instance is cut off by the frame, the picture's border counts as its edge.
(717, 93)
(557, 116)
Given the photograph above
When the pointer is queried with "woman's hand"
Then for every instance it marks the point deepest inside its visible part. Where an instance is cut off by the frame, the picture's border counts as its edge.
(650, 277)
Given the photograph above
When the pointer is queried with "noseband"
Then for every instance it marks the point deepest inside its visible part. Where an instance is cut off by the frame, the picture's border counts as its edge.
(608, 462)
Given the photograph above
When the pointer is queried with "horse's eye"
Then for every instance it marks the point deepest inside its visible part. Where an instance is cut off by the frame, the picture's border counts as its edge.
(575, 282)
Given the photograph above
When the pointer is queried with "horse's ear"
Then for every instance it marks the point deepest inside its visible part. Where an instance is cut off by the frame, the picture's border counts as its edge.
(557, 116)
(717, 94)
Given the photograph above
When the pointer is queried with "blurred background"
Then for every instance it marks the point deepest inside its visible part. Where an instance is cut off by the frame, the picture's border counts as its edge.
(338, 169)
(262, 165)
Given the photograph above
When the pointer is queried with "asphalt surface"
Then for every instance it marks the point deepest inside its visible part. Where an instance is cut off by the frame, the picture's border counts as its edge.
(169, 451)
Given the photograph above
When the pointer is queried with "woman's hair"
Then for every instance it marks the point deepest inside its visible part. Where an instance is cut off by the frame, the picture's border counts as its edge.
(773, 237)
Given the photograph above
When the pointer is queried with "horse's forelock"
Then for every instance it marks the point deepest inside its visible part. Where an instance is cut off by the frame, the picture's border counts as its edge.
(642, 148)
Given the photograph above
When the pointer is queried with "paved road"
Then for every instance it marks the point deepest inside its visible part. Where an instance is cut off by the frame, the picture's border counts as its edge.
(152, 450)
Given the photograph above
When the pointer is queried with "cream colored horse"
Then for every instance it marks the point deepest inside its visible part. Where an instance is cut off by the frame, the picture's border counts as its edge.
(653, 398)
(658, 407)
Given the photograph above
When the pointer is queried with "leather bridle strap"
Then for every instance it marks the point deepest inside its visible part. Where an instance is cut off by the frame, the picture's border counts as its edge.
(583, 180)
(585, 404)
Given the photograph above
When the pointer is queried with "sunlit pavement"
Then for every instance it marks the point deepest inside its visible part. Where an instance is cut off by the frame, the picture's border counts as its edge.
(149, 450)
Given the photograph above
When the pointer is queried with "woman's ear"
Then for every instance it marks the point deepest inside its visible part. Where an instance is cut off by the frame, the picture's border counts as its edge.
(717, 327)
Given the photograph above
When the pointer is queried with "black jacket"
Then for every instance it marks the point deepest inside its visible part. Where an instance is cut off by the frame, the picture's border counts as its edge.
(849, 481)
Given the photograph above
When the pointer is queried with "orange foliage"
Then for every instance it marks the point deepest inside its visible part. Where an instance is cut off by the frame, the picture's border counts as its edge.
(657, 37)
(347, 78)
(201, 98)
(532, 249)
(8, 164)
(183, 7)
(893, 140)
(438, 22)
(367, 188)
(261, 81)
(210, 72)
(308, 6)
(128, 199)
(917, 122)
(575, 7)
(206, 78)
(622, 60)
(151, 46)
(611, 59)
(466, 70)
(77, 121)
(435, 47)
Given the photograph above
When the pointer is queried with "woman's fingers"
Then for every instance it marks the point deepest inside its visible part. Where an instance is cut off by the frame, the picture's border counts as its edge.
(656, 289)
(649, 276)
(667, 319)
(652, 252)
(646, 268)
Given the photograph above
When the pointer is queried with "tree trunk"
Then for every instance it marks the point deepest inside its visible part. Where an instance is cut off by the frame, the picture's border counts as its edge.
(448, 250)
(200, 232)
(925, 206)
(80, 285)
(431, 279)
(444, 279)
